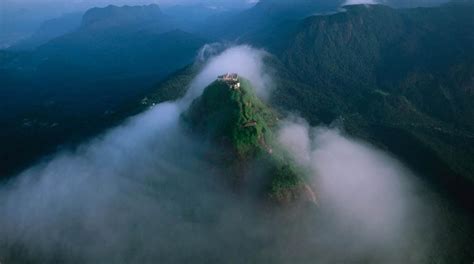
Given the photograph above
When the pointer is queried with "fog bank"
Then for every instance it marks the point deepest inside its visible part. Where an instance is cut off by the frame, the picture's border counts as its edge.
(145, 192)
(136, 186)
(243, 59)
(370, 198)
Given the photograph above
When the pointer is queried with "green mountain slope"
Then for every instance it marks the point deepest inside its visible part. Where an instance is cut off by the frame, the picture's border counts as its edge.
(241, 126)
(233, 115)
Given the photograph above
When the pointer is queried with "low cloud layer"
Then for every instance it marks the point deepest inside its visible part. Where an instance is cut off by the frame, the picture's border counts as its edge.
(145, 192)
(138, 193)
(370, 198)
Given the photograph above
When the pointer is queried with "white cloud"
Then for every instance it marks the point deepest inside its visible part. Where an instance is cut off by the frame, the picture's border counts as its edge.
(244, 60)
(368, 194)
(141, 191)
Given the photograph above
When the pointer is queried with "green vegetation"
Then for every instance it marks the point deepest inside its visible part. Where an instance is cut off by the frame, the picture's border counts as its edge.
(233, 116)
(286, 183)
(409, 92)
(241, 125)
(174, 86)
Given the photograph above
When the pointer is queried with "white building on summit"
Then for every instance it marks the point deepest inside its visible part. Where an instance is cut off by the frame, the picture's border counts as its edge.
(231, 79)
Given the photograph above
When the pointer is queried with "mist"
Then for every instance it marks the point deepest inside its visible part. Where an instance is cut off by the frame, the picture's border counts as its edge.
(243, 59)
(69, 6)
(358, 2)
(371, 200)
(128, 188)
(145, 192)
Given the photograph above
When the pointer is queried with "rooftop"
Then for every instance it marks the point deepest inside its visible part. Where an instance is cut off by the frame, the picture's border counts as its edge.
(231, 79)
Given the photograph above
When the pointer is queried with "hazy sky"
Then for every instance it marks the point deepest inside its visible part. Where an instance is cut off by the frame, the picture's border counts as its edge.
(19, 18)
(80, 3)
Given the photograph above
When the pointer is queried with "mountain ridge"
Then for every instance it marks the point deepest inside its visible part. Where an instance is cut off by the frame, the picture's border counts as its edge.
(110, 16)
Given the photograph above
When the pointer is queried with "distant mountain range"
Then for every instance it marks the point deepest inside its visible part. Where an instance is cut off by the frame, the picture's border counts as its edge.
(49, 30)
(135, 18)
(125, 40)
(264, 14)
(76, 80)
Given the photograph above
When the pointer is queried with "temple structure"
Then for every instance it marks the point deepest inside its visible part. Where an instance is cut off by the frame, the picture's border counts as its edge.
(231, 79)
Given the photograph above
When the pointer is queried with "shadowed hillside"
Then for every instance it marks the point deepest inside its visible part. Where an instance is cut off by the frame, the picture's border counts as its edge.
(409, 91)
(74, 85)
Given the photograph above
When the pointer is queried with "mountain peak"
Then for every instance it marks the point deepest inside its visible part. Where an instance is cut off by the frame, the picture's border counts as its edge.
(230, 113)
(230, 116)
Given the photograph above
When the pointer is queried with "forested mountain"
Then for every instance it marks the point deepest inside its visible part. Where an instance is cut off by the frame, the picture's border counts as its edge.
(348, 137)
(410, 90)
(73, 83)
(401, 79)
